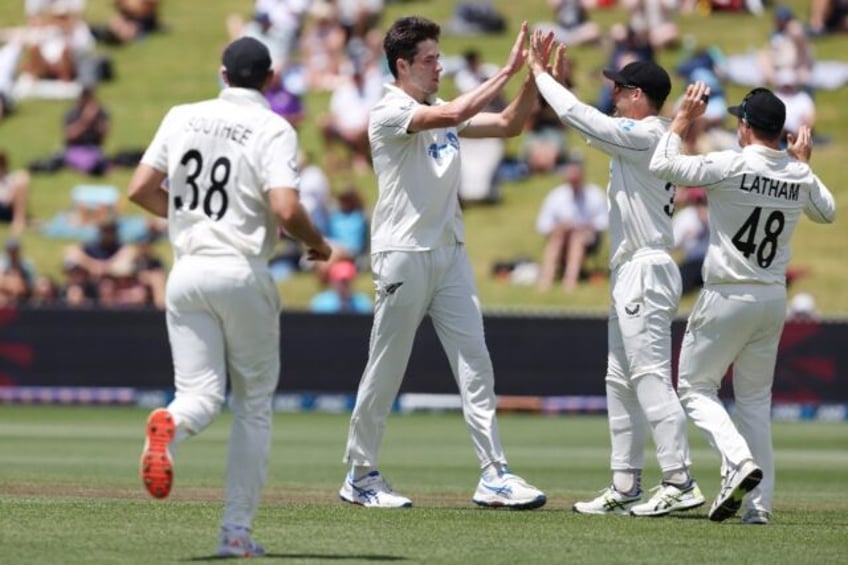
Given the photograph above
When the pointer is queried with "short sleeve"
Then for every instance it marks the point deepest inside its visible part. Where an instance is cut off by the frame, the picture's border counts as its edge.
(156, 154)
(279, 161)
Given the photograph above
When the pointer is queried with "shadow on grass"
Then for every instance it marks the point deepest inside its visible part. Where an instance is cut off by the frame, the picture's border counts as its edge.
(321, 556)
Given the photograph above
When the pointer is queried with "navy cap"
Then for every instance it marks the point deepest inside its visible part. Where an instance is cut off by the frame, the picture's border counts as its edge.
(762, 110)
(647, 75)
(246, 59)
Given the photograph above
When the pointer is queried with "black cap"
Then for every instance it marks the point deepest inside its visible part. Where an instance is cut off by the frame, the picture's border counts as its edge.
(762, 110)
(246, 60)
(647, 75)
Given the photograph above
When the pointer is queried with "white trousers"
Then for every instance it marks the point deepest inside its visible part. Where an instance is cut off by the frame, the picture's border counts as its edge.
(409, 285)
(640, 396)
(739, 326)
(223, 319)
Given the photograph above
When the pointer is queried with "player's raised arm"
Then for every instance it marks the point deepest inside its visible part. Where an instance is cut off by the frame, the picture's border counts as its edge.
(465, 105)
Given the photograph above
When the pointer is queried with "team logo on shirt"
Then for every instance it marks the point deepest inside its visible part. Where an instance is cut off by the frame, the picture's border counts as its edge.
(626, 125)
(440, 150)
(632, 310)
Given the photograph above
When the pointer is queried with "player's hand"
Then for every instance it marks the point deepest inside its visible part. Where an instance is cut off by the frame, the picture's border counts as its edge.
(518, 55)
(540, 51)
(695, 101)
(561, 69)
(321, 253)
(800, 147)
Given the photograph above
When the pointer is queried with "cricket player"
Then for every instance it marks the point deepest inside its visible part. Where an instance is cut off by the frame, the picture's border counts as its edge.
(645, 284)
(755, 198)
(224, 173)
(419, 262)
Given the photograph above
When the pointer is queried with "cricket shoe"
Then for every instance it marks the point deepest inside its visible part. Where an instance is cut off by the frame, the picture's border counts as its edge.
(734, 487)
(611, 501)
(236, 541)
(157, 465)
(670, 498)
(756, 517)
(372, 491)
(508, 491)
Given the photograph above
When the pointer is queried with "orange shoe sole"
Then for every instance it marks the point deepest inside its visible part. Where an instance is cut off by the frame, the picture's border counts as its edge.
(157, 467)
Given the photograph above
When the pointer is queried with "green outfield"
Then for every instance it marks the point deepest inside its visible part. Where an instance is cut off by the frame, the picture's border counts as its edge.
(69, 493)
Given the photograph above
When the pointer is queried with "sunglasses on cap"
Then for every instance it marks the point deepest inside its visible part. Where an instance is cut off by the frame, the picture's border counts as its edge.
(623, 86)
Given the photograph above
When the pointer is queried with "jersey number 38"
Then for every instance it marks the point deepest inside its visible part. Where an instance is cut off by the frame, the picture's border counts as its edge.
(215, 198)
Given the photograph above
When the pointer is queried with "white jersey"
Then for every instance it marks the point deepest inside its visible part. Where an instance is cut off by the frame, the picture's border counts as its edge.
(420, 210)
(755, 200)
(640, 204)
(222, 155)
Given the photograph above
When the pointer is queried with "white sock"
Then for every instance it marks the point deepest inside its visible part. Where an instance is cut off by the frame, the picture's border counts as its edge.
(627, 482)
(677, 477)
(494, 470)
(359, 472)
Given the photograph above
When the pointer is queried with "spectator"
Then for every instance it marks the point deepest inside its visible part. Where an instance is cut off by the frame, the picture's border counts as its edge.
(97, 257)
(788, 48)
(45, 292)
(57, 41)
(17, 275)
(480, 156)
(572, 25)
(315, 193)
(78, 290)
(85, 127)
(802, 308)
(348, 227)
(544, 141)
(150, 271)
(340, 296)
(828, 16)
(800, 107)
(14, 190)
(133, 20)
(120, 287)
(322, 48)
(653, 19)
(346, 125)
(573, 218)
(690, 226)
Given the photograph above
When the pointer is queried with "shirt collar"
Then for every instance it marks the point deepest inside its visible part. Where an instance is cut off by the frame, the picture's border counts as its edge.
(244, 96)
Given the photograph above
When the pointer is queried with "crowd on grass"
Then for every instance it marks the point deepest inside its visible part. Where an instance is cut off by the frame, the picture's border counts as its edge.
(334, 47)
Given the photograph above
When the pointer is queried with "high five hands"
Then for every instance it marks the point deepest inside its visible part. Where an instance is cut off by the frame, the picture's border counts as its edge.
(538, 56)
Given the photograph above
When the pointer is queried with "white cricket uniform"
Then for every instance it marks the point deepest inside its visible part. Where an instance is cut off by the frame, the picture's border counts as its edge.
(644, 282)
(222, 156)
(420, 266)
(755, 199)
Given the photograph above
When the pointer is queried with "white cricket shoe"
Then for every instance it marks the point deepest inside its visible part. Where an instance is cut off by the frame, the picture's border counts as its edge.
(760, 517)
(508, 491)
(611, 501)
(669, 498)
(372, 491)
(236, 541)
(734, 487)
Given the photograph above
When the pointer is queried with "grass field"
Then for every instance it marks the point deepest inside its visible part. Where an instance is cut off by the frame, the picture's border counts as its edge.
(181, 65)
(69, 493)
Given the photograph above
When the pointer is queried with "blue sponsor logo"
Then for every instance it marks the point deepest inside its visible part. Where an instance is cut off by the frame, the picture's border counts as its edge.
(440, 150)
(626, 125)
